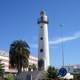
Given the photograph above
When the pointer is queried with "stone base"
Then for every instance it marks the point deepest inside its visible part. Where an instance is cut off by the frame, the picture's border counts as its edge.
(35, 75)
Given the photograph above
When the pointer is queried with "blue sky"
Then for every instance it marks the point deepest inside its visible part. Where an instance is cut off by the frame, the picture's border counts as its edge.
(18, 20)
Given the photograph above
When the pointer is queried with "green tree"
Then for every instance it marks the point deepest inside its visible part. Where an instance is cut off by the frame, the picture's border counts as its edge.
(51, 73)
(18, 55)
(33, 66)
(29, 67)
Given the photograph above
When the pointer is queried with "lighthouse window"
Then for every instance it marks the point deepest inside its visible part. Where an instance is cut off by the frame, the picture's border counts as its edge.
(41, 27)
(41, 50)
(41, 38)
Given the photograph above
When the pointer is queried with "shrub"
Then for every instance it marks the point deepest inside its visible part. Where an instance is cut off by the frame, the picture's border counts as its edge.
(10, 77)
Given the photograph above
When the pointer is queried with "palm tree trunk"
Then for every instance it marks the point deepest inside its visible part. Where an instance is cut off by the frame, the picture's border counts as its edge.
(19, 69)
(20, 63)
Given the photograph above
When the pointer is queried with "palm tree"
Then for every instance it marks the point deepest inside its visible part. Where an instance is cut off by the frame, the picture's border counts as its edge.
(1, 69)
(19, 54)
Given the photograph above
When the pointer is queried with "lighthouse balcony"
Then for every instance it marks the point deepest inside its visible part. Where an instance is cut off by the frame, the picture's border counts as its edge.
(42, 20)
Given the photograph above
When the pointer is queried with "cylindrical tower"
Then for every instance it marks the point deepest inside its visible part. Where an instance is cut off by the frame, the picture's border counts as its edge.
(43, 47)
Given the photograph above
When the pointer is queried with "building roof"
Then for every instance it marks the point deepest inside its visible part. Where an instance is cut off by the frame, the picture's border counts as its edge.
(6, 54)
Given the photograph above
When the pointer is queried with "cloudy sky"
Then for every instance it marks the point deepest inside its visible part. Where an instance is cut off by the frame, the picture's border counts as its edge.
(18, 20)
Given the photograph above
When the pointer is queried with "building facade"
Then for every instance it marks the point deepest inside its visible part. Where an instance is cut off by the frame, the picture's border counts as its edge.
(4, 57)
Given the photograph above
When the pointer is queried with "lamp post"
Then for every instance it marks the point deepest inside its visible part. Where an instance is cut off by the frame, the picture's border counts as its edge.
(62, 50)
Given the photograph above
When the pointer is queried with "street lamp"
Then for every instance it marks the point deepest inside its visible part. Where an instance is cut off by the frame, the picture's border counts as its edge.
(62, 50)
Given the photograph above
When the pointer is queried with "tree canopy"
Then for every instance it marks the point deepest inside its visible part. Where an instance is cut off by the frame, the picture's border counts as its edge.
(51, 73)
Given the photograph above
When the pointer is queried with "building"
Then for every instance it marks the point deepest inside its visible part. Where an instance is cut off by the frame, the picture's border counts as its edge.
(74, 69)
(4, 57)
(43, 47)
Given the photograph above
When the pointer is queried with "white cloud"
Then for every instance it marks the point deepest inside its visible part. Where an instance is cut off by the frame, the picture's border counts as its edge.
(60, 40)
(65, 39)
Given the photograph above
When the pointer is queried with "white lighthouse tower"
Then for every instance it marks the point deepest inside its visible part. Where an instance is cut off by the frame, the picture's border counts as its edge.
(43, 47)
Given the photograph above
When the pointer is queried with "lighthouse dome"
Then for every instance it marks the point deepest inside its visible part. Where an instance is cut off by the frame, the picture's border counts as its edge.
(43, 18)
(42, 12)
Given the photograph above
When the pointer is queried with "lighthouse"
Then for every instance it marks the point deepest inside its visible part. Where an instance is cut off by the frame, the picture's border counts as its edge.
(43, 45)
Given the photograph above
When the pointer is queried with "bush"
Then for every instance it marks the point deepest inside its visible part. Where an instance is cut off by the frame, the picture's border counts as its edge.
(52, 73)
(10, 77)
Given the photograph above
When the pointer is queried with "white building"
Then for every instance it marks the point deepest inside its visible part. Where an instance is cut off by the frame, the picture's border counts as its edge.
(74, 69)
(5, 61)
